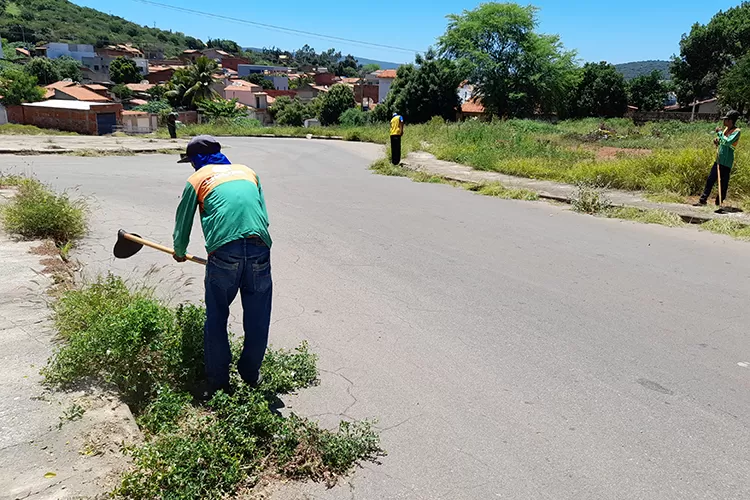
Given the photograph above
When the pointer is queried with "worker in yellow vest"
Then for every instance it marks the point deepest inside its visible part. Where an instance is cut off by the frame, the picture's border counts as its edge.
(397, 130)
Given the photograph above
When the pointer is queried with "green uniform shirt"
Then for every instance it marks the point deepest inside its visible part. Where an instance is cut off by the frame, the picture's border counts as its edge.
(231, 204)
(727, 145)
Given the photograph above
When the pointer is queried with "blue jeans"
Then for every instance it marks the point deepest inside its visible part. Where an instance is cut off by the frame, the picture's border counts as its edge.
(245, 266)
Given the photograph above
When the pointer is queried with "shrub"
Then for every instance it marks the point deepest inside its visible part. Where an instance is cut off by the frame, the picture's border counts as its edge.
(36, 212)
(354, 117)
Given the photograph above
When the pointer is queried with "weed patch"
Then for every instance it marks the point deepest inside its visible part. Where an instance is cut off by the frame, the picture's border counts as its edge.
(153, 354)
(15, 129)
(661, 217)
(36, 212)
(498, 190)
(590, 200)
(665, 197)
(727, 226)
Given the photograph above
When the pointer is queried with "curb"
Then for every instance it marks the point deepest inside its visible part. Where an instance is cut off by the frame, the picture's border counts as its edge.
(113, 152)
(687, 218)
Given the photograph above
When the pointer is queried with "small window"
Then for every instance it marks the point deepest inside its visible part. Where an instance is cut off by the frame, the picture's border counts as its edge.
(96, 67)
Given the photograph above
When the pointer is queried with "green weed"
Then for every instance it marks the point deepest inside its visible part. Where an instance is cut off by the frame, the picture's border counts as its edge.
(661, 217)
(15, 129)
(727, 226)
(36, 212)
(590, 200)
(665, 197)
(10, 180)
(153, 355)
(498, 190)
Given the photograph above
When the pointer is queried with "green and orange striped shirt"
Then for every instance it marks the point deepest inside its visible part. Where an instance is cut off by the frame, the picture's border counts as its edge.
(231, 203)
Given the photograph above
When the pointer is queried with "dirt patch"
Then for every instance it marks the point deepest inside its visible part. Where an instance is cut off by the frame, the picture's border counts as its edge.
(46, 248)
(604, 153)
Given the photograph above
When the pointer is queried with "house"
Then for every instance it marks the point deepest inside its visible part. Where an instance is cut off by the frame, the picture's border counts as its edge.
(99, 89)
(139, 122)
(363, 90)
(161, 74)
(78, 93)
(190, 55)
(215, 54)
(98, 64)
(244, 70)
(233, 63)
(471, 109)
(280, 81)
(49, 90)
(75, 116)
(707, 106)
(465, 91)
(324, 78)
(121, 50)
(244, 95)
(308, 92)
(385, 80)
(75, 50)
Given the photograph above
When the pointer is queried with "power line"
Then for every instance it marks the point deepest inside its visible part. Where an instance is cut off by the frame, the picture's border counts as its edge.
(277, 28)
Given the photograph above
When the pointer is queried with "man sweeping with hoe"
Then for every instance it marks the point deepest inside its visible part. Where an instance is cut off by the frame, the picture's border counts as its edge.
(726, 141)
(235, 225)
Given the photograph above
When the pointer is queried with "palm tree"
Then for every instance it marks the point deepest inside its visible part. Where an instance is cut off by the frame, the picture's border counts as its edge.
(193, 84)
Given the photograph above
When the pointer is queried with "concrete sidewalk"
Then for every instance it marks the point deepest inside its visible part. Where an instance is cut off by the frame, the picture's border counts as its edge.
(427, 162)
(61, 144)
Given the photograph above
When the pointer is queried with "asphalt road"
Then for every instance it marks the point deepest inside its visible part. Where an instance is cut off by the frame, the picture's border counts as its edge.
(508, 349)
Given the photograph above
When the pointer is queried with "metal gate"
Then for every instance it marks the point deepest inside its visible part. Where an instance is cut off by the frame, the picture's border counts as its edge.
(106, 123)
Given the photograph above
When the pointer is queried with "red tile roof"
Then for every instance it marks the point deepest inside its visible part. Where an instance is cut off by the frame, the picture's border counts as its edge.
(140, 87)
(472, 106)
(49, 90)
(22, 51)
(82, 94)
(138, 102)
(387, 73)
(95, 86)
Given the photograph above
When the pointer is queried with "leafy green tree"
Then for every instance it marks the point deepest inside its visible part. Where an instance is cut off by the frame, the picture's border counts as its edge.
(259, 79)
(425, 89)
(122, 92)
(354, 117)
(370, 68)
(193, 84)
(17, 87)
(601, 91)
(346, 67)
(338, 99)
(226, 45)
(515, 71)
(194, 43)
(287, 111)
(43, 69)
(157, 92)
(647, 92)
(708, 51)
(301, 82)
(68, 68)
(218, 109)
(124, 70)
(157, 107)
(734, 86)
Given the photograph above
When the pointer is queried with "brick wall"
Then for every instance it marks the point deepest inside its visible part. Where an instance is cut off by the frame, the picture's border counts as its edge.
(233, 62)
(71, 120)
(187, 117)
(370, 91)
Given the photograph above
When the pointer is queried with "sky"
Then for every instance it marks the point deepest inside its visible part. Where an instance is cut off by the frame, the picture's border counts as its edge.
(613, 31)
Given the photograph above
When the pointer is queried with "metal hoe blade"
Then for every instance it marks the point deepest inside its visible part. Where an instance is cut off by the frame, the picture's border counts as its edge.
(124, 247)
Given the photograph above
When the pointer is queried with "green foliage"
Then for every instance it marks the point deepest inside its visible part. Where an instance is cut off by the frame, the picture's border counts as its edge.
(153, 354)
(122, 92)
(226, 109)
(226, 45)
(515, 70)
(261, 80)
(426, 90)
(306, 56)
(68, 68)
(346, 67)
(17, 86)
(300, 82)
(60, 20)
(36, 212)
(354, 117)
(193, 84)
(158, 92)
(661, 217)
(600, 92)
(590, 199)
(734, 86)
(709, 50)
(647, 92)
(370, 68)
(635, 69)
(497, 190)
(43, 69)
(158, 107)
(338, 99)
(124, 70)
(289, 112)
(729, 227)
(16, 129)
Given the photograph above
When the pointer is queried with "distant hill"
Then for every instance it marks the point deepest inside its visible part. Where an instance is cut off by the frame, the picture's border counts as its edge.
(631, 70)
(62, 21)
(383, 64)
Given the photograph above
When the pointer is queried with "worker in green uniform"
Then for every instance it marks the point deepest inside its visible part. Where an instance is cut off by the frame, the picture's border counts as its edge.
(726, 141)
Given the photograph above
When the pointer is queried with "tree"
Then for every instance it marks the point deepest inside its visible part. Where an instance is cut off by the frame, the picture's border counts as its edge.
(68, 68)
(338, 99)
(710, 50)
(222, 109)
(194, 43)
(301, 82)
(734, 86)
(122, 92)
(346, 67)
(514, 70)
(600, 92)
(259, 79)
(354, 117)
(647, 92)
(288, 111)
(43, 69)
(158, 92)
(157, 107)
(370, 68)
(17, 87)
(124, 70)
(226, 45)
(425, 89)
(193, 84)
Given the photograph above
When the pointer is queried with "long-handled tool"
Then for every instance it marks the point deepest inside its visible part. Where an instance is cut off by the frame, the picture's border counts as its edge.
(128, 244)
